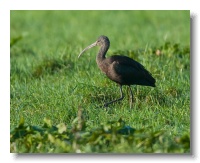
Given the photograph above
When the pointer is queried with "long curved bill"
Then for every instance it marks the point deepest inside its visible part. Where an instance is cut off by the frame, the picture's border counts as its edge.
(90, 46)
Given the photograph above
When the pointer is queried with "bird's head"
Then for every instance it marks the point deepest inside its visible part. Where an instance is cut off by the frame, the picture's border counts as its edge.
(101, 41)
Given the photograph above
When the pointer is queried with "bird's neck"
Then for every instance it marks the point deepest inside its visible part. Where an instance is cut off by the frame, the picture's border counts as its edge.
(102, 53)
(101, 58)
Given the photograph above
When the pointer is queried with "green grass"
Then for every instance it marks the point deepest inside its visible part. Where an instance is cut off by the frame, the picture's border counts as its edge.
(49, 81)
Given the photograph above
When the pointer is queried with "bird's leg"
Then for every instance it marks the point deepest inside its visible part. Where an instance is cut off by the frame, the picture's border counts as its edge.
(121, 98)
(131, 93)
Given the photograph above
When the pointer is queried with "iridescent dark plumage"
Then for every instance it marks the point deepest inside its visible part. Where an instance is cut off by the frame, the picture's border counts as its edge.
(120, 69)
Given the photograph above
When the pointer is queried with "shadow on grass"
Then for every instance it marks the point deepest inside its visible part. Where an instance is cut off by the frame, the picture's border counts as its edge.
(51, 66)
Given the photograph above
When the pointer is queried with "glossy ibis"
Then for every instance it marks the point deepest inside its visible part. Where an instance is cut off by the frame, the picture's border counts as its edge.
(120, 69)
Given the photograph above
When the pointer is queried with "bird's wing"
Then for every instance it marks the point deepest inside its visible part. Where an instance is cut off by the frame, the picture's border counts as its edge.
(129, 68)
(125, 64)
(124, 69)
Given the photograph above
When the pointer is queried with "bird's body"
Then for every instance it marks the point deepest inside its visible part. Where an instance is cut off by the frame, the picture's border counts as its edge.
(125, 71)
(120, 69)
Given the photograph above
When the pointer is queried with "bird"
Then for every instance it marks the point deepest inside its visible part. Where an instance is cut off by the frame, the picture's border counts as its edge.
(120, 69)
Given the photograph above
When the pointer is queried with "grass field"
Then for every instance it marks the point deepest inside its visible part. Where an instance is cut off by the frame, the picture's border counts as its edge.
(51, 87)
